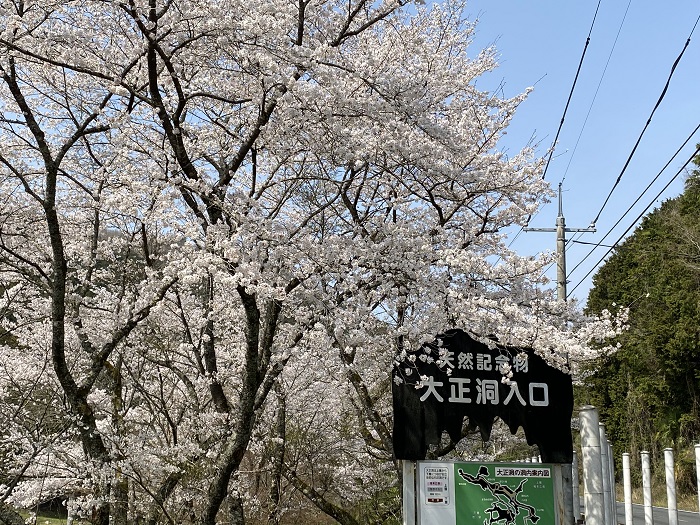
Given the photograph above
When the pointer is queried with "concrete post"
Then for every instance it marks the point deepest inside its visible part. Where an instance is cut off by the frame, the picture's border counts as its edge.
(566, 483)
(605, 464)
(561, 231)
(671, 487)
(592, 467)
(575, 497)
(613, 492)
(562, 484)
(697, 470)
(646, 485)
(627, 487)
(561, 252)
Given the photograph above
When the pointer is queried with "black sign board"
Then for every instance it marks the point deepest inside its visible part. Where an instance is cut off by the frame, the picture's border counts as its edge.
(456, 376)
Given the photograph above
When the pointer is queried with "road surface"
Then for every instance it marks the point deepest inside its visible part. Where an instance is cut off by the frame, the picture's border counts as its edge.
(660, 515)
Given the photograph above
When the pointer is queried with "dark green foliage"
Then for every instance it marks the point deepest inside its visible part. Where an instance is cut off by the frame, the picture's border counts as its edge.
(383, 507)
(649, 391)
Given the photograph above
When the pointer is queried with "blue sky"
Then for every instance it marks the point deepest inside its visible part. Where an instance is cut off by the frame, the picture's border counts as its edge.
(632, 48)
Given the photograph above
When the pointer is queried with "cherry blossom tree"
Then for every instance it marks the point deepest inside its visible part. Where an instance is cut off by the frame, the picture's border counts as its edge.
(207, 202)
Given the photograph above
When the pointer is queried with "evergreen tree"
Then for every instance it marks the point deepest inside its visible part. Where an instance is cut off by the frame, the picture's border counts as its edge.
(649, 391)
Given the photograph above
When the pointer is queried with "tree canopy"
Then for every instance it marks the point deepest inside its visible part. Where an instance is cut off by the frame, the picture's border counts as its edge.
(220, 223)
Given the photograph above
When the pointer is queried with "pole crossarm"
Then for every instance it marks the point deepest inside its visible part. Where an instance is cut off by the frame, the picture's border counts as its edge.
(554, 230)
(561, 230)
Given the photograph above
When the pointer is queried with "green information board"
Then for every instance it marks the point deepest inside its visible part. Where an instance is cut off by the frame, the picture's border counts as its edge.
(504, 494)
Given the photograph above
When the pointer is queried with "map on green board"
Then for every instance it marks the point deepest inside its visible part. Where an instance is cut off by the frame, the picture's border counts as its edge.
(499, 494)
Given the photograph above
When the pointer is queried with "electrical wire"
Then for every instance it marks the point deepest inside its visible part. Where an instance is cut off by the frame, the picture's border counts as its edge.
(563, 117)
(639, 139)
(678, 151)
(595, 95)
(639, 197)
(596, 244)
(695, 154)
(571, 93)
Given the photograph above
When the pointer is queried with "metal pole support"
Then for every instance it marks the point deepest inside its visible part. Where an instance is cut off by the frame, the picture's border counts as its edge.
(409, 492)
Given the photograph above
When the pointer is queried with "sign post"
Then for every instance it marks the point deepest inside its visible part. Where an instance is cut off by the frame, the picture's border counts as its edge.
(409, 492)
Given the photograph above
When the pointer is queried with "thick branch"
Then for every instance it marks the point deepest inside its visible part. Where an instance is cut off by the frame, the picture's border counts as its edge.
(122, 333)
(336, 512)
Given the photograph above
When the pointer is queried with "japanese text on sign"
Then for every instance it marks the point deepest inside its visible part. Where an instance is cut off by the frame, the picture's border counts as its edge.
(436, 485)
(508, 472)
(485, 362)
(486, 391)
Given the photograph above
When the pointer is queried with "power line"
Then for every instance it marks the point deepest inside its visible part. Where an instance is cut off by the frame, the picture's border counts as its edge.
(595, 95)
(563, 117)
(571, 93)
(695, 153)
(639, 139)
(596, 244)
(668, 163)
(578, 235)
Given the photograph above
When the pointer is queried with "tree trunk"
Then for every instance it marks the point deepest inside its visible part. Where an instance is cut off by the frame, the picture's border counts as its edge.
(244, 421)
(119, 500)
(278, 456)
(236, 510)
(336, 512)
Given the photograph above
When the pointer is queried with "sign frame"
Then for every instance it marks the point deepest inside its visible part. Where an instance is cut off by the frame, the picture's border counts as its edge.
(441, 496)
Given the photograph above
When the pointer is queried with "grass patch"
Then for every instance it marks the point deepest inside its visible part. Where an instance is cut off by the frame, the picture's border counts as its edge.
(658, 497)
(51, 520)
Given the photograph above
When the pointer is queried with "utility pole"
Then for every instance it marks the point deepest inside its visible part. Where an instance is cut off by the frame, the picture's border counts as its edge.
(566, 469)
(561, 231)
